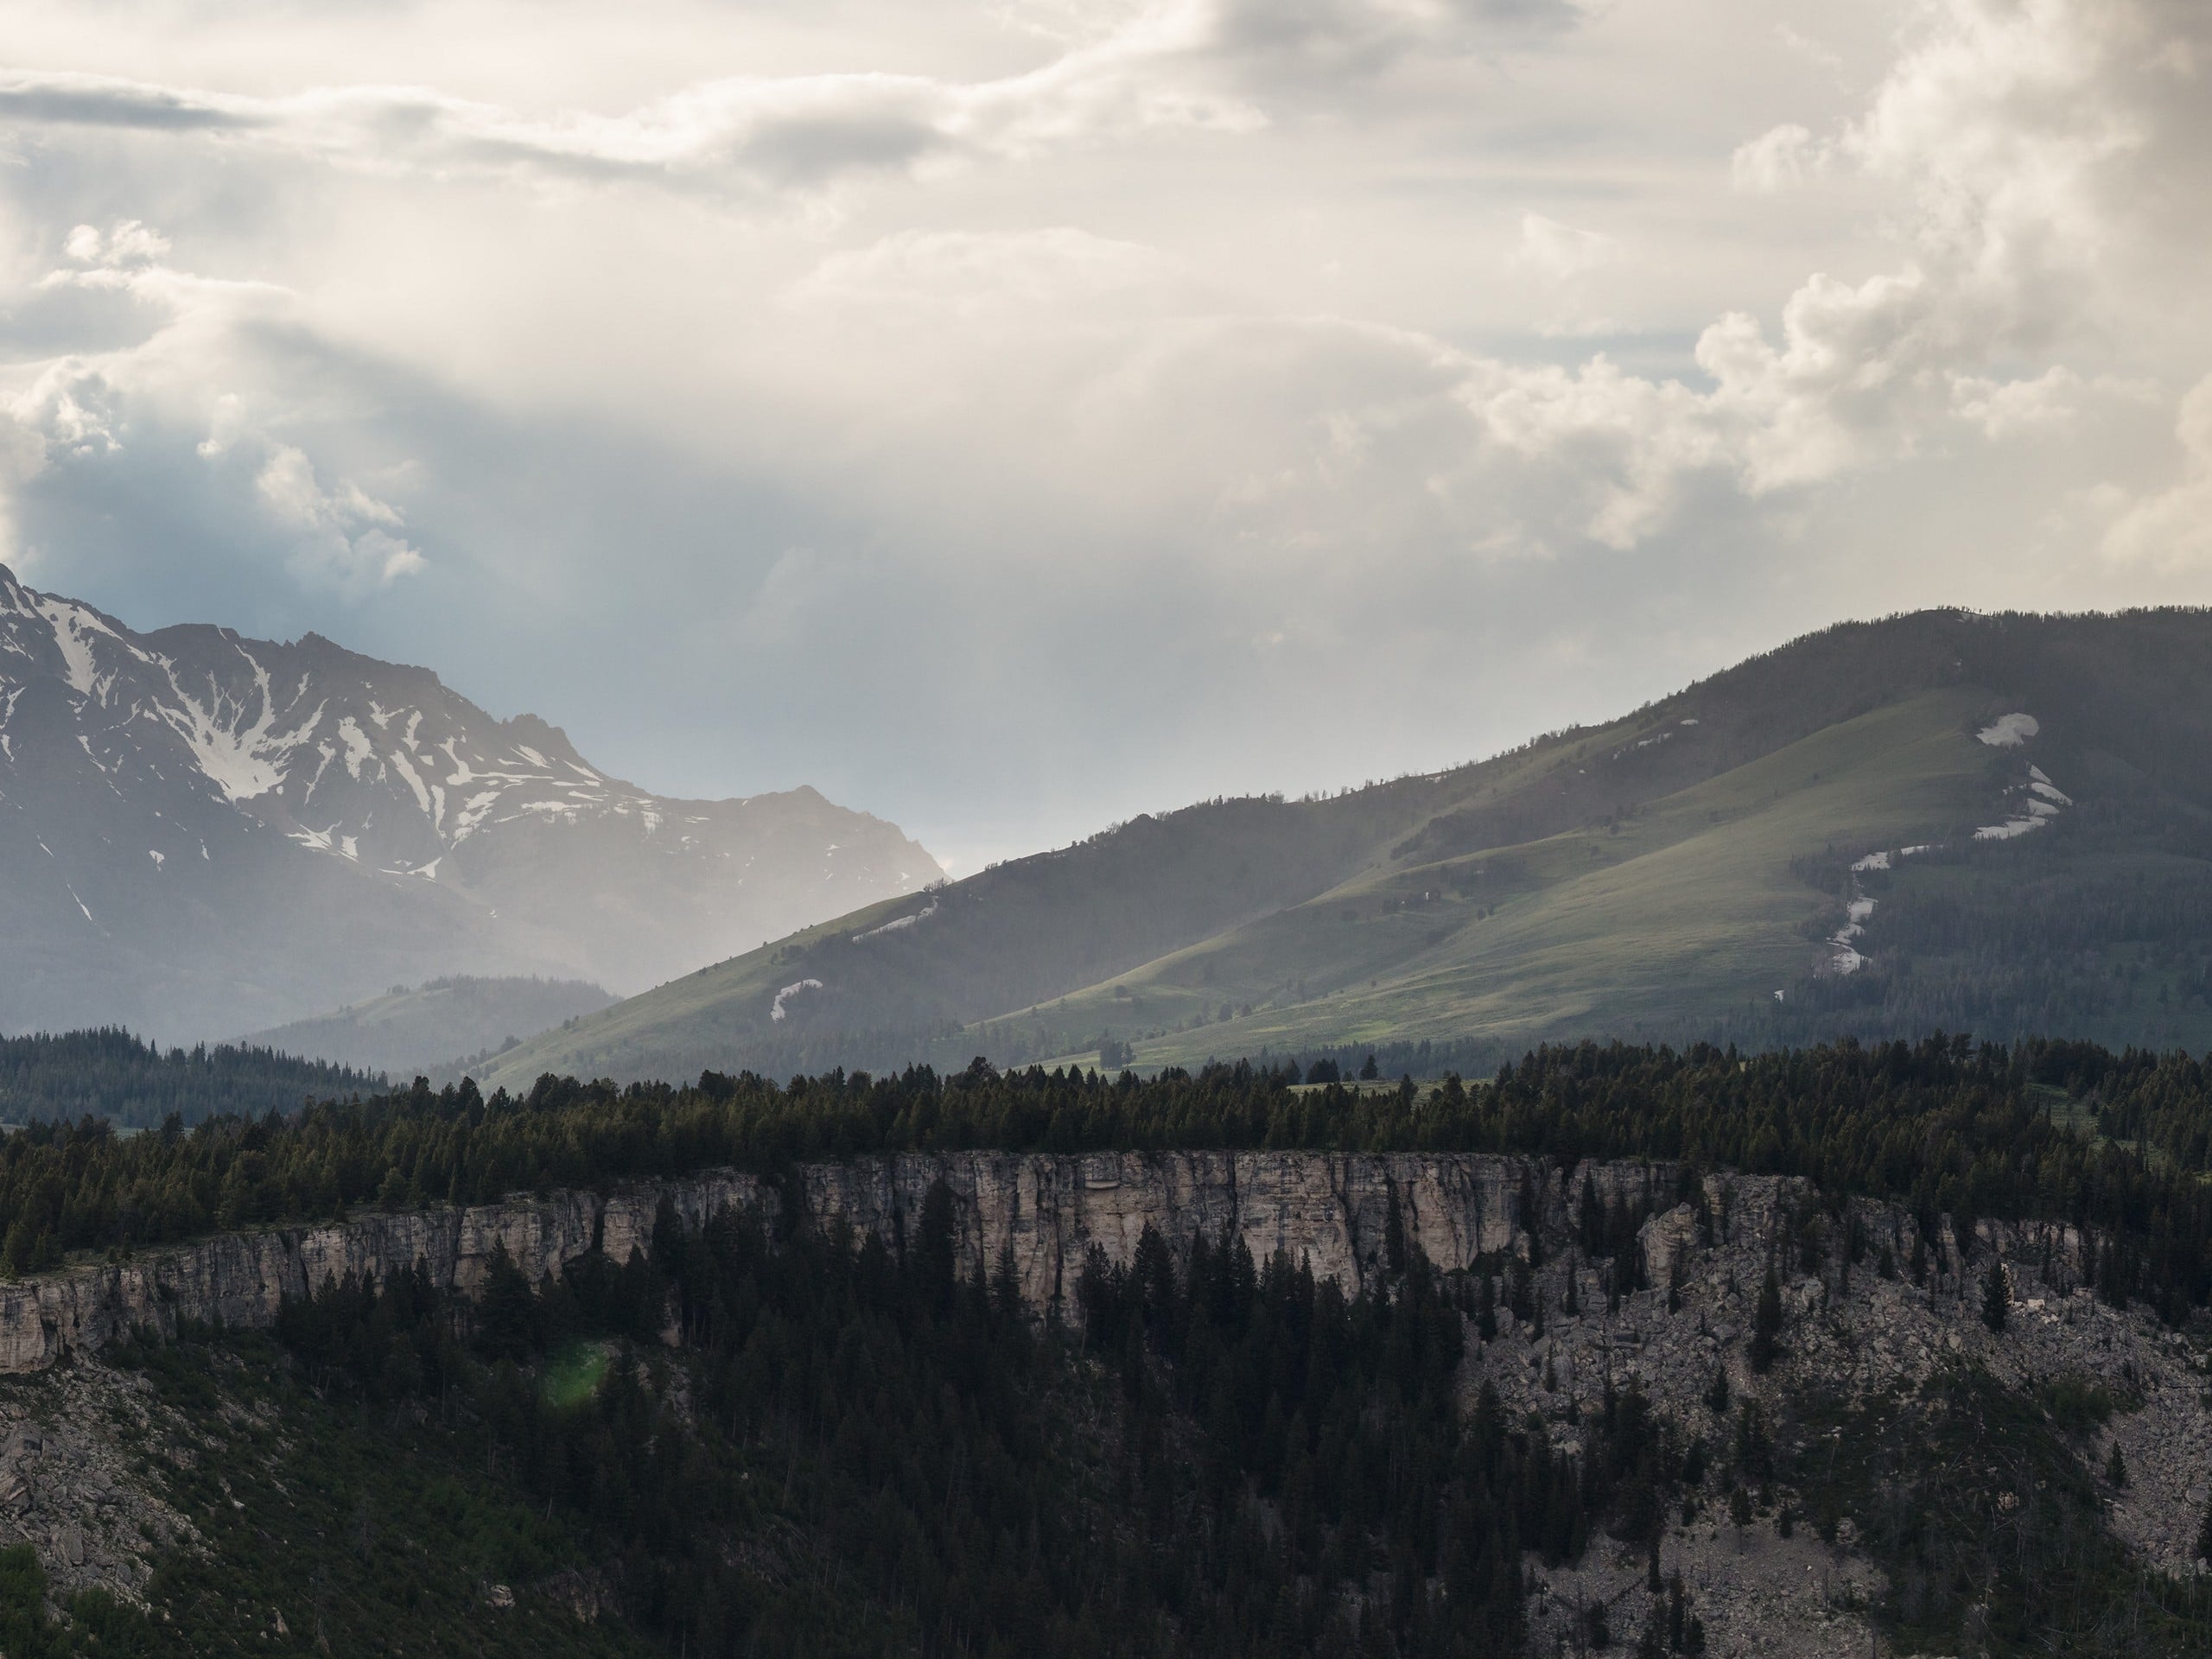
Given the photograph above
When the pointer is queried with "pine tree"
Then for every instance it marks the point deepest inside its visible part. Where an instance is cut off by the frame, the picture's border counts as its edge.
(1766, 1324)
(2116, 1466)
(1996, 1296)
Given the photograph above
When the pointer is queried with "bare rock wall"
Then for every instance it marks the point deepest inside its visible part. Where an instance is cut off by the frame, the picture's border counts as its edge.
(1330, 1209)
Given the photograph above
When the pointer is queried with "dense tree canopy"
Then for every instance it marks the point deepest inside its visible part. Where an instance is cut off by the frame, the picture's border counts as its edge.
(2064, 1131)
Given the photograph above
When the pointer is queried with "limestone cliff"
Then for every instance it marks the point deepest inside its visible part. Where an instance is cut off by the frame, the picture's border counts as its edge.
(240, 1279)
(1331, 1209)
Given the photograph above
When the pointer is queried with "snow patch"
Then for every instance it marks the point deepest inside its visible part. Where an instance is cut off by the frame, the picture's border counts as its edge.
(158, 859)
(407, 771)
(2009, 828)
(358, 749)
(1871, 862)
(75, 628)
(2051, 791)
(472, 813)
(244, 761)
(776, 1009)
(892, 926)
(2009, 731)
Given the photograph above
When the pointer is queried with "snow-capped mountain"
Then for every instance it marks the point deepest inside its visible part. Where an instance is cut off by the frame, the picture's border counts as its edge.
(201, 833)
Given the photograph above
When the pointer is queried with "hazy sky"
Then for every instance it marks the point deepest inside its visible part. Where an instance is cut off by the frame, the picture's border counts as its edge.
(1012, 417)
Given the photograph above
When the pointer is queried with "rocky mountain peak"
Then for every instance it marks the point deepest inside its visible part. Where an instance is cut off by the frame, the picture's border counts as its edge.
(136, 770)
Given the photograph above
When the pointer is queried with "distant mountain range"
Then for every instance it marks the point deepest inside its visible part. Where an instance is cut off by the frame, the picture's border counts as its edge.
(202, 834)
(452, 1023)
(1993, 823)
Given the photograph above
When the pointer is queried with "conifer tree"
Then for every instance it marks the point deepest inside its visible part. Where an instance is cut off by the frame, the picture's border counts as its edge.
(1996, 1296)
(1766, 1323)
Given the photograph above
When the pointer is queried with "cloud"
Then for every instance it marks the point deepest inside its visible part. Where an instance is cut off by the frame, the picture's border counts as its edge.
(129, 244)
(2171, 529)
(1173, 66)
(1049, 274)
(345, 534)
(1560, 251)
(1779, 159)
(801, 132)
(75, 420)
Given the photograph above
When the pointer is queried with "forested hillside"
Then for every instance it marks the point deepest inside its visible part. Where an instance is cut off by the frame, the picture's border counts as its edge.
(2061, 1131)
(796, 1441)
(114, 1076)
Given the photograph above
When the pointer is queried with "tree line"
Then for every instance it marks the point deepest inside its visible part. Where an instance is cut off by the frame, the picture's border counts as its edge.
(112, 1074)
(2053, 1131)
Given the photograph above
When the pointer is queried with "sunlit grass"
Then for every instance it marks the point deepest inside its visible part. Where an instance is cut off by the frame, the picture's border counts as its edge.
(574, 1373)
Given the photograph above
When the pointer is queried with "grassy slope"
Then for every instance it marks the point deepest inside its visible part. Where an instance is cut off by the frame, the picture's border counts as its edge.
(1205, 872)
(1672, 905)
(1688, 905)
(1618, 879)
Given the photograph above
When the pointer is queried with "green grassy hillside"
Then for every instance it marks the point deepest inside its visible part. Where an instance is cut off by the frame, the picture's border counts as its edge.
(1646, 923)
(1662, 875)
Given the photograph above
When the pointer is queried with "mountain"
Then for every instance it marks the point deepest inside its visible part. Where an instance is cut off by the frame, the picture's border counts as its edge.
(201, 833)
(410, 1030)
(2001, 823)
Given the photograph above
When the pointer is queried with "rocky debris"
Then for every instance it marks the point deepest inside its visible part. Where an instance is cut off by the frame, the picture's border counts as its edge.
(70, 1487)
(1758, 1594)
(1849, 1334)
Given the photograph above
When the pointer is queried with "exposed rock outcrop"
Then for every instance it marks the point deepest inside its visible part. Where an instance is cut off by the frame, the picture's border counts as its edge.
(241, 1279)
(1331, 1209)
(1872, 1309)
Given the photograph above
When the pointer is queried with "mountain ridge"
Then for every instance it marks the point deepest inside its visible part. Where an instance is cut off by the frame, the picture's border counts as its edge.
(201, 833)
(1665, 873)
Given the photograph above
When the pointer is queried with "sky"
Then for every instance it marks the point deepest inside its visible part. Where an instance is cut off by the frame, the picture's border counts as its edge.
(1010, 417)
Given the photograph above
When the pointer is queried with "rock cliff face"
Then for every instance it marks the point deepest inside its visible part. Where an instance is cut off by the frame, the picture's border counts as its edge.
(1333, 1210)
(1876, 1315)
(241, 1279)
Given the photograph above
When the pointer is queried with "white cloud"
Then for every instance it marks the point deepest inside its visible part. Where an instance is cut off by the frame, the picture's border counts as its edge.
(78, 410)
(1779, 159)
(1561, 252)
(2171, 529)
(128, 243)
(800, 132)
